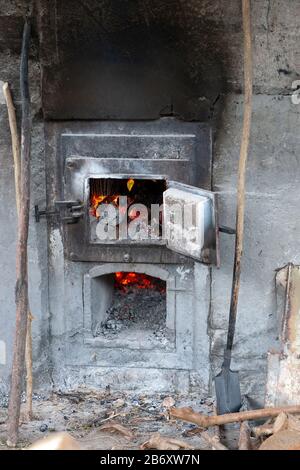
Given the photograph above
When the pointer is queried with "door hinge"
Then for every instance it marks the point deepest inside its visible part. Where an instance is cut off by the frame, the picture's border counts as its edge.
(68, 212)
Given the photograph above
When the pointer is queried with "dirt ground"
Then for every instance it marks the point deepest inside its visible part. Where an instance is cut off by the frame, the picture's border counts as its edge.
(82, 414)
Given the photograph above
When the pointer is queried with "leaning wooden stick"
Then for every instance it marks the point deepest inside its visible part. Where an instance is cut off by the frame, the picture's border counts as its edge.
(204, 421)
(240, 213)
(28, 362)
(21, 255)
(15, 140)
(227, 384)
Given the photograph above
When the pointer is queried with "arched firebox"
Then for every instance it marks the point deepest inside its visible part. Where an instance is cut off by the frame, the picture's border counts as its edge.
(130, 307)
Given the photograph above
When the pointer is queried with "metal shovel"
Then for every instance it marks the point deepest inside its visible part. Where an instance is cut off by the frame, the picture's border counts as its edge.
(227, 387)
(227, 382)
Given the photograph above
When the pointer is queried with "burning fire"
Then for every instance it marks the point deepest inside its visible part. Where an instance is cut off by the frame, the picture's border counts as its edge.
(130, 184)
(124, 280)
(97, 199)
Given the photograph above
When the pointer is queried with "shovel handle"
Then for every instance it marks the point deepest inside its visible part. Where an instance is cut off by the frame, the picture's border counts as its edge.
(227, 359)
(240, 214)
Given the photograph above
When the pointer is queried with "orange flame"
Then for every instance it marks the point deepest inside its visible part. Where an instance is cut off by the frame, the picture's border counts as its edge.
(96, 200)
(139, 280)
(130, 184)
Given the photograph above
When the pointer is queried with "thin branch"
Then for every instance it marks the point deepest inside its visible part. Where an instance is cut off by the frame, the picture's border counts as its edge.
(22, 304)
(205, 421)
(16, 150)
(15, 141)
(240, 215)
(28, 362)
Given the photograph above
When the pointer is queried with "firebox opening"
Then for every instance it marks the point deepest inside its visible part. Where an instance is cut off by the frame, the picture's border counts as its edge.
(123, 195)
(130, 310)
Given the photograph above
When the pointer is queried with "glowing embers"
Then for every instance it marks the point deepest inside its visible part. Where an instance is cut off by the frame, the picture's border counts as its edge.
(128, 280)
(125, 209)
(133, 311)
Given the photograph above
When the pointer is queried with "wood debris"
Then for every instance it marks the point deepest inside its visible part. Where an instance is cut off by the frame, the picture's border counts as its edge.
(57, 441)
(112, 415)
(192, 432)
(168, 402)
(142, 419)
(293, 423)
(119, 403)
(282, 434)
(283, 440)
(213, 441)
(265, 430)
(159, 442)
(205, 421)
(245, 437)
(281, 423)
(119, 428)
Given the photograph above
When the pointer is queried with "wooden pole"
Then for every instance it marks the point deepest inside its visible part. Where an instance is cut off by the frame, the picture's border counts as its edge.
(21, 291)
(15, 140)
(28, 363)
(205, 421)
(240, 214)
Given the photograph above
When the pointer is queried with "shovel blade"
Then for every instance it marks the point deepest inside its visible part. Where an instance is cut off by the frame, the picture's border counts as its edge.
(228, 392)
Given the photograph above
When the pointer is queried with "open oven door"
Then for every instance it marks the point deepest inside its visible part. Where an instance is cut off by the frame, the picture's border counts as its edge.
(190, 222)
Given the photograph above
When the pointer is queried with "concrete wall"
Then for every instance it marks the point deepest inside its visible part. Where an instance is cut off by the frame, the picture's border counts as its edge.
(272, 227)
(272, 211)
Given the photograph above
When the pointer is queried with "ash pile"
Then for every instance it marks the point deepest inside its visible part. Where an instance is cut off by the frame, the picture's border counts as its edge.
(136, 309)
